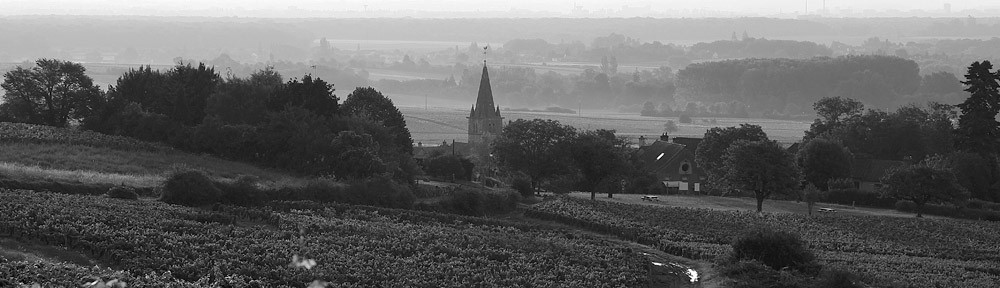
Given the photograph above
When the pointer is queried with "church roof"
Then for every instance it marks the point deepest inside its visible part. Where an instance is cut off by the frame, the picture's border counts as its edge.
(484, 103)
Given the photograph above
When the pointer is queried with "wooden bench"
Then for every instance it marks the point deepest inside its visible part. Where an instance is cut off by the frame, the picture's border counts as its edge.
(650, 198)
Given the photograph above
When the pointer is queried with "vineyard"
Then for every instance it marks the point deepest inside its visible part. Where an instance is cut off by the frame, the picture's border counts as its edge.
(156, 244)
(884, 251)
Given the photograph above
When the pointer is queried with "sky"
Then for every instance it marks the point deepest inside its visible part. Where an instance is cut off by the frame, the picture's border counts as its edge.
(553, 7)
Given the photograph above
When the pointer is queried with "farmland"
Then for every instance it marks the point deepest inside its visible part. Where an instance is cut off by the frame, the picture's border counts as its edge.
(352, 246)
(437, 124)
(883, 251)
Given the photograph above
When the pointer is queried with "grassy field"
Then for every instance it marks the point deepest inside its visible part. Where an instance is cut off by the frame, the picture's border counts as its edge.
(35, 153)
(437, 124)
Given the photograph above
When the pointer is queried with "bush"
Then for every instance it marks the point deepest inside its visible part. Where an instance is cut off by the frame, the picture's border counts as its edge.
(776, 249)
(684, 118)
(190, 188)
(474, 202)
(122, 192)
(523, 185)
(243, 191)
(755, 274)
(853, 196)
(837, 279)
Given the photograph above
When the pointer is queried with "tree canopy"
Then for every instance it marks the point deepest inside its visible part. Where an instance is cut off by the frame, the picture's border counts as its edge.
(762, 167)
(709, 153)
(535, 147)
(926, 182)
(978, 129)
(823, 159)
(53, 93)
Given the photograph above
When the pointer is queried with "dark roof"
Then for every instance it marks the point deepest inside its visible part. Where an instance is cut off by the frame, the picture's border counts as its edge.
(872, 170)
(658, 155)
(794, 148)
(484, 103)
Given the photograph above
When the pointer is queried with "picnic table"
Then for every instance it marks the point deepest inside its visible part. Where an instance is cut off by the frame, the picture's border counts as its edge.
(650, 198)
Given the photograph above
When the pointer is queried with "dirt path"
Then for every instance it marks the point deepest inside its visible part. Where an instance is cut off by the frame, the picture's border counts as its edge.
(746, 204)
(665, 270)
(15, 250)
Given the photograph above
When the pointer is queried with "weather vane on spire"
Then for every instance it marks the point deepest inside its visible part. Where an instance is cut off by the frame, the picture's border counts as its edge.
(485, 48)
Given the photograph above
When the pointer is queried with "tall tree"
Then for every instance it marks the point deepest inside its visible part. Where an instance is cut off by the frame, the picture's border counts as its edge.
(713, 146)
(763, 167)
(833, 112)
(366, 102)
(52, 93)
(823, 159)
(978, 128)
(535, 147)
(310, 93)
(927, 182)
(600, 156)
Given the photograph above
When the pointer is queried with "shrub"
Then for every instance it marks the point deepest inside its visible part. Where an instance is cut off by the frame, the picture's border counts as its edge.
(123, 192)
(853, 196)
(684, 118)
(190, 188)
(474, 202)
(755, 274)
(905, 206)
(776, 249)
(243, 191)
(837, 279)
(522, 185)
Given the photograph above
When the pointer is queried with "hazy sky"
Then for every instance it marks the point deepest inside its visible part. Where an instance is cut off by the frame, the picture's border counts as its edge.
(238, 7)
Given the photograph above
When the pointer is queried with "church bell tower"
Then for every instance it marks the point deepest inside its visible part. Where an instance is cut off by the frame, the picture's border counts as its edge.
(485, 122)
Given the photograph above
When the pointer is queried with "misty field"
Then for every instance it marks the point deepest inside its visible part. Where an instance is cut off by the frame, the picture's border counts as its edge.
(436, 124)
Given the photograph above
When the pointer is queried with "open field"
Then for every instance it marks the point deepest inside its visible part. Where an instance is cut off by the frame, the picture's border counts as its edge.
(438, 124)
(883, 251)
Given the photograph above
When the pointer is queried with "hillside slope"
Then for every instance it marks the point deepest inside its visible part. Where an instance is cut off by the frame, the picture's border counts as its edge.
(49, 156)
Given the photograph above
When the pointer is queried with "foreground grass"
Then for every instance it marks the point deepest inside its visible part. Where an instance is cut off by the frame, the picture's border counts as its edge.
(87, 165)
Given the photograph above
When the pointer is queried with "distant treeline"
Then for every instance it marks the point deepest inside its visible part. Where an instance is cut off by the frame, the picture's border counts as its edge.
(788, 86)
(629, 50)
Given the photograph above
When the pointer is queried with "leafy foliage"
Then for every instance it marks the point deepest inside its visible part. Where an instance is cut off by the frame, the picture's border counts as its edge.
(190, 188)
(535, 147)
(978, 128)
(763, 167)
(926, 182)
(822, 159)
(53, 93)
(776, 249)
(713, 146)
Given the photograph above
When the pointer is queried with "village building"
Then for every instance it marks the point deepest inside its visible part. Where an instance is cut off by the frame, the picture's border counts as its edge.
(867, 173)
(672, 162)
(485, 125)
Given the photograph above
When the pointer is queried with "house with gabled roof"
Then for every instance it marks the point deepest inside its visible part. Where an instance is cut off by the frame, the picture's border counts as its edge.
(672, 162)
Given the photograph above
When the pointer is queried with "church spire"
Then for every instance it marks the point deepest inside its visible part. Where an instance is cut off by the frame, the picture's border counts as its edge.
(485, 100)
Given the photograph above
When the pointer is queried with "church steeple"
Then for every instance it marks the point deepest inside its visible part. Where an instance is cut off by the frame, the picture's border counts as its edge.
(485, 122)
(484, 103)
